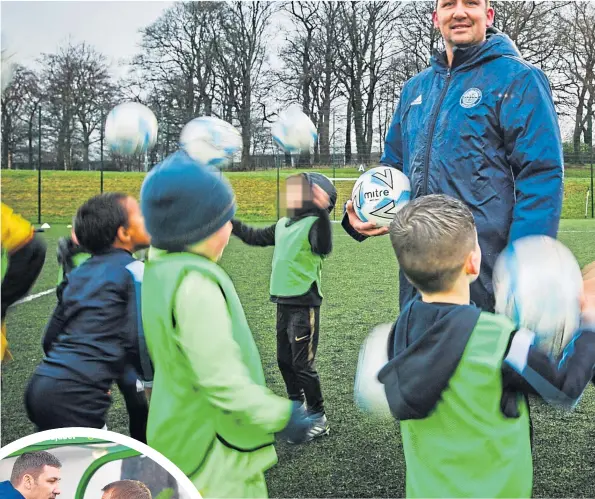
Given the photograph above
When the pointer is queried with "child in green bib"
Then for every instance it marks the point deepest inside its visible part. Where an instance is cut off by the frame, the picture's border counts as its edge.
(458, 378)
(302, 239)
(211, 413)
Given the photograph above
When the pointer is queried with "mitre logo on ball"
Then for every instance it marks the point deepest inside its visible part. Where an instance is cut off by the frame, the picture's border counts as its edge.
(379, 194)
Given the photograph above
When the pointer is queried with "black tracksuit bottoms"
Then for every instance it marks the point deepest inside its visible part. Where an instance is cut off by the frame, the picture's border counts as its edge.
(297, 342)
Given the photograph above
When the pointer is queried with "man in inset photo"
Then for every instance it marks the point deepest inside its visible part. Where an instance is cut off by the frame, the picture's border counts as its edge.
(35, 475)
(126, 489)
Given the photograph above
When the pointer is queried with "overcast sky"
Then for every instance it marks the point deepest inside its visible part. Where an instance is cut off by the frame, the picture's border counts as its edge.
(30, 28)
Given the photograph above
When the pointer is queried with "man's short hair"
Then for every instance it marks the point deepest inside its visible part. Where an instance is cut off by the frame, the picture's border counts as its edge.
(487, 4)
(432, 236)
(32, 463)
(127, 489)
(97, 221)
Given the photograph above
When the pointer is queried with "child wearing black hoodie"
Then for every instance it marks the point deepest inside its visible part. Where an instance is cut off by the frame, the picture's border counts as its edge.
(458, 378)
(302, 239)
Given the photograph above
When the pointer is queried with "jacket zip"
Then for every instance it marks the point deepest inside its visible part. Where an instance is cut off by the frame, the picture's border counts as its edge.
(431, 136)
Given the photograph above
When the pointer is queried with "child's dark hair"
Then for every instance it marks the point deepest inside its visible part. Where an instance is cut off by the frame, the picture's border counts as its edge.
(97, 221)
(432, 236)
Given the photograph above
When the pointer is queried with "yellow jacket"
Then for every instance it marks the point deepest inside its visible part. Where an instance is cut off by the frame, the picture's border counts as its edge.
(16, 233)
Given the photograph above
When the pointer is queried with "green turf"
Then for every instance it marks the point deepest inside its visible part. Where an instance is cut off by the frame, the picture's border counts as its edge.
(362, 457)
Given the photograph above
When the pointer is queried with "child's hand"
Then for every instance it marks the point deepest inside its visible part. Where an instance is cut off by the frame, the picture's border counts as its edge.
(320, 197)
(588, 304)
(588, 299)
(299, 424)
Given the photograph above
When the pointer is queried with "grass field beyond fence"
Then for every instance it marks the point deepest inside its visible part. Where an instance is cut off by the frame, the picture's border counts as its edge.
(63, 192)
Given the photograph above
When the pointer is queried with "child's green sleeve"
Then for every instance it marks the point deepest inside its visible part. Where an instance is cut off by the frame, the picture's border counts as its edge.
(206, 335)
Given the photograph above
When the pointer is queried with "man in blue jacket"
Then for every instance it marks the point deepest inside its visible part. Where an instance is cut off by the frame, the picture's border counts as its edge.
(35, 475)
(479, 125)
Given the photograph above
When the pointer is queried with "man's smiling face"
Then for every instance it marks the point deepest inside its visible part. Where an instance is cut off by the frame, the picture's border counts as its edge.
(462, 22)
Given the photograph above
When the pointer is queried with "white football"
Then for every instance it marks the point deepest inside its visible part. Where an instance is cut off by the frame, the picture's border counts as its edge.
(369, 393)
(130, 128)
(538, 284)
(210, 141)
(294, 131)
(379, 194)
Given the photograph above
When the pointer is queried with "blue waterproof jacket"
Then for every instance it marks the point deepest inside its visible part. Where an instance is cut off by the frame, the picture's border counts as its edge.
(7, 491)
(484, 131)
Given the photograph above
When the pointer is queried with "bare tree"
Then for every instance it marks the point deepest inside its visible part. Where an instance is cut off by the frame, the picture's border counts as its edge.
(58, 86)
(13, 104)
(240, 51)
(325, 49)
(578, 67)
(93, 94)
(177, 55)
(367, 48)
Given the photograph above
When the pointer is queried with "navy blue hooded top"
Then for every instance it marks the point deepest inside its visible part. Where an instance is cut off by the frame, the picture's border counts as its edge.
(96, 330)
(428, 342)
(484, 131)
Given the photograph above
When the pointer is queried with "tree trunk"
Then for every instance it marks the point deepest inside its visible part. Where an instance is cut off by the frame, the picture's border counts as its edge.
(576, 136)
(348, 135)
(86, 143)
(6, 132)
(30, 140)
(61, 163)
(244, 116)
(358, 121)
(589, 130)
(324, 134)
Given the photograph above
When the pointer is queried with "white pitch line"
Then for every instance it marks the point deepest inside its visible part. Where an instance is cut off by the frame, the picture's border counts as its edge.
(35, 296)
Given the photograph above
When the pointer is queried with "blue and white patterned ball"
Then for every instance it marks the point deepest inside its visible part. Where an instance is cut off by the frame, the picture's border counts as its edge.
(130, 128)
(538, 284)
(379, 194)
(210, 141)
(294, 131)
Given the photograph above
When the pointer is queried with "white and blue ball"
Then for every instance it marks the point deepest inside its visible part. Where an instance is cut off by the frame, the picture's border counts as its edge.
(379, 194)
(294, 131)
(538, 284)
(130, 128)
(210, 141)
(369, 394)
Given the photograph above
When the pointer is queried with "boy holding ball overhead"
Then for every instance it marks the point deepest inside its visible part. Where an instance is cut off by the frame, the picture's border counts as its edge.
(457, 378)
(302, 239)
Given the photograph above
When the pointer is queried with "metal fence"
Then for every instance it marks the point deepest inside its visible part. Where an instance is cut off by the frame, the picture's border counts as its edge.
(45, 187)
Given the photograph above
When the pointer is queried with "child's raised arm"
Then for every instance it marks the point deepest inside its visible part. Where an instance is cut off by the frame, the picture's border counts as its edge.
(252, 235)
(321, 235)
(558, 381)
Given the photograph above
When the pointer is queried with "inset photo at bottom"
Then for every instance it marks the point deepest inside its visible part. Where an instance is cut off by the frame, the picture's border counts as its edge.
(84, 463)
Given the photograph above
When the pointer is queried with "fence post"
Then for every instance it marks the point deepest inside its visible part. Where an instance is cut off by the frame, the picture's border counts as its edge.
(39, 165)
(278, 191)
(101, 131)
(592, 193)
